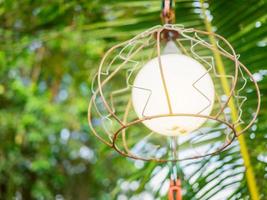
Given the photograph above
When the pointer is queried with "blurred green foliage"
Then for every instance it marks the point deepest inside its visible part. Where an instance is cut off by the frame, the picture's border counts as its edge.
(49, 51)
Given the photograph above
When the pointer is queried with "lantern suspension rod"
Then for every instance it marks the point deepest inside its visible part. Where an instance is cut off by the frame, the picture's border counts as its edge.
(168, 13)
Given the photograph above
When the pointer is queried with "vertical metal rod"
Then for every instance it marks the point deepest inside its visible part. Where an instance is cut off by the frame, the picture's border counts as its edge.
(174, 156)
(162, 74)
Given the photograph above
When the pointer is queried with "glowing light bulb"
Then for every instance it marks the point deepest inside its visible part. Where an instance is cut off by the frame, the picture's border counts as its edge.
(189, 93)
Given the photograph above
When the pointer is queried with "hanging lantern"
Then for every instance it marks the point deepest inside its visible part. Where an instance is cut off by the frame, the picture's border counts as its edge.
(161, 96)
(154, 89)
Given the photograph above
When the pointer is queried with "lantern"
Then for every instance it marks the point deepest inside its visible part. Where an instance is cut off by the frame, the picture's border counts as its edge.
(161, 96)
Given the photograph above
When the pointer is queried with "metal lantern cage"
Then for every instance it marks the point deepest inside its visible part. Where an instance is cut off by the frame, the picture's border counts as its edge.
(113, 120)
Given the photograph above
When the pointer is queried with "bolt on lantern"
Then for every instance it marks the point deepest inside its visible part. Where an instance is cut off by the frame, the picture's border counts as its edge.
(160, 96)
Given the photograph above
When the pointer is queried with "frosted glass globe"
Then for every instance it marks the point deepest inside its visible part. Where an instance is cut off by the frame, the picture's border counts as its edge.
(180, 72)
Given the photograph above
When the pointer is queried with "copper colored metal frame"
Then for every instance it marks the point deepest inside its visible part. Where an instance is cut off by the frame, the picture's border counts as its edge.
(157, 35)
